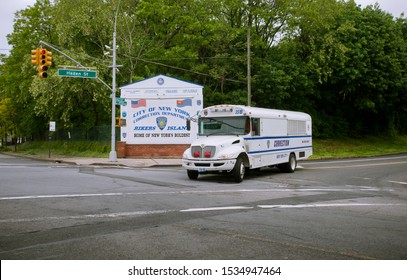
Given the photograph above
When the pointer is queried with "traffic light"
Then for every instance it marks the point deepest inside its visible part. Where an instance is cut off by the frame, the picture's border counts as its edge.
(42, 71)
(120, 122)
(35, 56)
(45, 61)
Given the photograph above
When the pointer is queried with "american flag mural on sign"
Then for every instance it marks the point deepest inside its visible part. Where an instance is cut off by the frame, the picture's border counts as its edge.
(184, 102)
(138, 103)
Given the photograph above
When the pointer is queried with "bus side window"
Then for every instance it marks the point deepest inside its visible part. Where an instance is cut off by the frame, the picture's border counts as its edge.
(255, 126)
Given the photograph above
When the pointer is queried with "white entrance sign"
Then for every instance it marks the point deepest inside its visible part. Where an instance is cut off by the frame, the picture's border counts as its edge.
(157, 109)
(52, 126)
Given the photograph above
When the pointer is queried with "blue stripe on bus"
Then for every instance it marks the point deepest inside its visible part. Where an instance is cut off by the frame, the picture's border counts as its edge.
(278, 150)
(276, 137)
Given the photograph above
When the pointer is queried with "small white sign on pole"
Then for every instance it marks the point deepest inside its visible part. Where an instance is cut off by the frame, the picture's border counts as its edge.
(52, 126)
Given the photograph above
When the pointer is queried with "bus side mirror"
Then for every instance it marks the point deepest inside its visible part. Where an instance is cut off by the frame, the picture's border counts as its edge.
(188, 124)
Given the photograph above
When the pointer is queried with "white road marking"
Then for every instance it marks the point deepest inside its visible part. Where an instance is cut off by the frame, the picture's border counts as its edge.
(398, 182)
(353, 160)
(94, 216)
(59, 196)
(216, 209)
(226, 208)
(328, 205)
(52, 196)
(358, 165)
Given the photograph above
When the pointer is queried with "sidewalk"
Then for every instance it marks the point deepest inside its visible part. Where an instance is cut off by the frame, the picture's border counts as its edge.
(129, 162)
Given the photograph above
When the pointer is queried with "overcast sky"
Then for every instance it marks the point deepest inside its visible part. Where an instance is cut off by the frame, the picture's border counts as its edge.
(9, 7)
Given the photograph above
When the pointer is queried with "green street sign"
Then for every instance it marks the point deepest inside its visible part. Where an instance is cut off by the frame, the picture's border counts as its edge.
(121, 101)
(77, 73)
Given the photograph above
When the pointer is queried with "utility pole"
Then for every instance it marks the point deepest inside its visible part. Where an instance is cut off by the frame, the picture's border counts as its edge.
(249, 72)
(113, 154)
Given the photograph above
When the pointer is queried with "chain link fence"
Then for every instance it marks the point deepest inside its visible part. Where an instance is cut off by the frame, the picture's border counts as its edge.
(96, 134)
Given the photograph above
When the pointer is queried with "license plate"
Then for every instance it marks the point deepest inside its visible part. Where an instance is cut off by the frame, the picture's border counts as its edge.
(201, 169)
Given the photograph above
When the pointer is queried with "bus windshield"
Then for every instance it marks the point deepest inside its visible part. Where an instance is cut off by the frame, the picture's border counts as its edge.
(239, 125)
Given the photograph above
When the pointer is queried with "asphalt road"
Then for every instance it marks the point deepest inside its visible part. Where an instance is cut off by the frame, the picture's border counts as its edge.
(339, 209)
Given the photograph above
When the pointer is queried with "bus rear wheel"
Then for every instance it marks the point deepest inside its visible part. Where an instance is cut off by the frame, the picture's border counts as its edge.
(291, 165)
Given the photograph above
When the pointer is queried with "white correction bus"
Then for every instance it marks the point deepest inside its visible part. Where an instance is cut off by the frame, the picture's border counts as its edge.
(235, 138)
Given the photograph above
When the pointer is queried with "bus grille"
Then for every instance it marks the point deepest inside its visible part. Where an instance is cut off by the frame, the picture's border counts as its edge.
(205, 152)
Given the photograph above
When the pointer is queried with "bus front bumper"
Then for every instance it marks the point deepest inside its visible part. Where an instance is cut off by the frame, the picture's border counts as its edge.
(203, 166)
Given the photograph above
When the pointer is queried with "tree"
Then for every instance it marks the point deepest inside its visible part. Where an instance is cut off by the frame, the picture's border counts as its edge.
(365, 81)
(356, 60)
(31, 25)
(7, 119)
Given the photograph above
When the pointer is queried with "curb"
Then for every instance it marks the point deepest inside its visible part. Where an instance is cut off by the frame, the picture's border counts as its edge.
(135, 163)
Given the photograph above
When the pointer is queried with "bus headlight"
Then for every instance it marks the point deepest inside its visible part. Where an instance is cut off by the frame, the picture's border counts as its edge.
(226, 156)
(185, 155)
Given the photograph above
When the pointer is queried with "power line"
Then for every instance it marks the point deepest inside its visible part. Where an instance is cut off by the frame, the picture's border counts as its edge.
(154, 61)
(194, 58)
(181, 69)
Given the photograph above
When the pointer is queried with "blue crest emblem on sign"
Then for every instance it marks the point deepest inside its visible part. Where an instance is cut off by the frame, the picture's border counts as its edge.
(161, 122)
(160, 81)
(124, 134)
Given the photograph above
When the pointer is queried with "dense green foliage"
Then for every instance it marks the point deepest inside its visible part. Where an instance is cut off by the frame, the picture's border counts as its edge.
(344, 65)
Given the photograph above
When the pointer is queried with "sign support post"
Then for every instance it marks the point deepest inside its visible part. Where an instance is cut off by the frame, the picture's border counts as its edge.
(51, 129)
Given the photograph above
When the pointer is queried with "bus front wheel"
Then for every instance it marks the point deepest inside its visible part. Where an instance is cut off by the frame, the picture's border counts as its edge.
(239, 170)
(192, 174)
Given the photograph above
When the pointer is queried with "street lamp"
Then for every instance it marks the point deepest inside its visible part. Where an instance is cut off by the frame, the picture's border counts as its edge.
(113, 154)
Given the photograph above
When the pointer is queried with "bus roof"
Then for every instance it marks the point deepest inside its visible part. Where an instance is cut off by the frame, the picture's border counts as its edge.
(255, 112)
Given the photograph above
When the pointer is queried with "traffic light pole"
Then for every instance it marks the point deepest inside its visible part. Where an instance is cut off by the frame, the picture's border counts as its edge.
(113, 154)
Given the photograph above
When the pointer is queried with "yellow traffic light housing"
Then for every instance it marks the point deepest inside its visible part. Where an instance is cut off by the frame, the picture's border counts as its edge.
(44, 62)
(42, 71)
(35, 56)
(120, 122)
